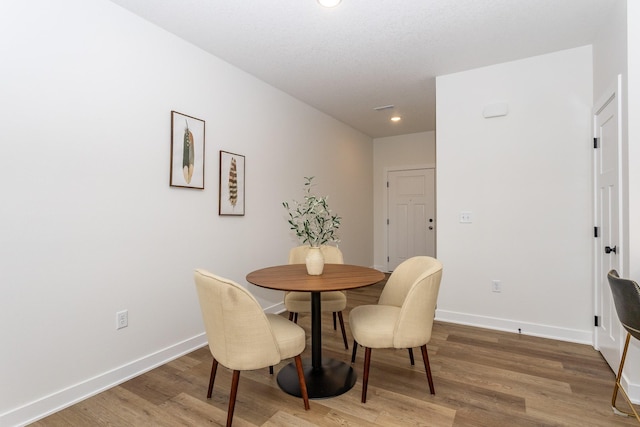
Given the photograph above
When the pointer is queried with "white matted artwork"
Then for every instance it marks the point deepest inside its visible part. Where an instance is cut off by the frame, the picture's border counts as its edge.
(231, 200)
(187, 151)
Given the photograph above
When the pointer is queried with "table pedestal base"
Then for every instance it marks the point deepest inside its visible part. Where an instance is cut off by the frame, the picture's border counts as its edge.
(332, 379)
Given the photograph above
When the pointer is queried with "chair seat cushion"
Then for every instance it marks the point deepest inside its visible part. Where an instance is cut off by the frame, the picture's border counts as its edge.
(300, 302)
(373, 325)
(289, 336)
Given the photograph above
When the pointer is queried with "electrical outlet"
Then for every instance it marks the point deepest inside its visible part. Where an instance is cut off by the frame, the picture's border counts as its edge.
(122, 319)
(466, 217)
(496, 286)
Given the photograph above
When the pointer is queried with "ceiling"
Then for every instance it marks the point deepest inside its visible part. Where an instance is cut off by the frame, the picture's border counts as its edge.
(370, 53)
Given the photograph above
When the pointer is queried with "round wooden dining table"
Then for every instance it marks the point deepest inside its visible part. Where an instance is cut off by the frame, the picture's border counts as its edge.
(329, 377)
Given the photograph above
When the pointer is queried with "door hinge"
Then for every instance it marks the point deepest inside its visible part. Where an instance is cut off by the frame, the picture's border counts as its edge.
(596, 321)
(595, 142)
(387, 221)
(387, 259)
(595, 231)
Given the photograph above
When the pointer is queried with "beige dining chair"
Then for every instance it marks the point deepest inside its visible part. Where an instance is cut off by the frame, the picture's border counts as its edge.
(332, 301)
(626, 298)
(241, 336)
(403, 317)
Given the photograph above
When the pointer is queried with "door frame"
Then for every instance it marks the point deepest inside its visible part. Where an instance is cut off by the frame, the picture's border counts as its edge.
(385, 200)
(613, 94)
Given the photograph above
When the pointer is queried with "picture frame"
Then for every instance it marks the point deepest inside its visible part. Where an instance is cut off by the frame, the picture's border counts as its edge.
(232, 174)
(187, 151)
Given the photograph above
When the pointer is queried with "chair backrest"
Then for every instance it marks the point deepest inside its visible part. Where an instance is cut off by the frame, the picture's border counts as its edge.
(626, 297)
(238, 331)
(413, 286)
(332, 255)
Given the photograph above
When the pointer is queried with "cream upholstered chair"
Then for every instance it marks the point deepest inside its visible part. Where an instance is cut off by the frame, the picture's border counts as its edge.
(241, 336)
(626, 298)
(334, 301)
(403, 317)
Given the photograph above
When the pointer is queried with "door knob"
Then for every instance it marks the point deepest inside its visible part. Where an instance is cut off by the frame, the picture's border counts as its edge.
(430, 227)
(608, 249)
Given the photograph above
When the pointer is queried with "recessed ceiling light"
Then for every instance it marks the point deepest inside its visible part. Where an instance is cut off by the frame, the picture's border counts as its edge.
(329, 3)
(396, 118)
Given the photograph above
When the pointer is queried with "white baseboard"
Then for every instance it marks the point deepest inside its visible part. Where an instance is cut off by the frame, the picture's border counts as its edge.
(633, 390)
(525, 328)
(61, 399)
(275, 308)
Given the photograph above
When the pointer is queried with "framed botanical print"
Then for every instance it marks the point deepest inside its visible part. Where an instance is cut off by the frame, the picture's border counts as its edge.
(187, 151)
(231, 201)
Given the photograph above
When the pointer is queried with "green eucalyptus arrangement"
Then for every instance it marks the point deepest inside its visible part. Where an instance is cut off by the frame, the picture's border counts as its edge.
(312, 220)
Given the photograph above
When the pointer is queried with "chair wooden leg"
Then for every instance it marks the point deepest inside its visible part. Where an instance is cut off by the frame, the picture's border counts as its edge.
(232, 397)
(353, 354)
(413, 362)
(344, 332)
(365, 374)
(214, 368)
(295, 317)
(619, 386)
(427, 368)
(334, 321)
(303, 383)
(270, 370)
(290, 316)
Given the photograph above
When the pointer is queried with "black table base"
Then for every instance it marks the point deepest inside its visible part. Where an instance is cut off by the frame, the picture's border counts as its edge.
(333, 378)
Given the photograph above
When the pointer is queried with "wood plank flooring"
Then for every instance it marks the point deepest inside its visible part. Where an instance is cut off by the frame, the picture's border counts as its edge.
(481, 378)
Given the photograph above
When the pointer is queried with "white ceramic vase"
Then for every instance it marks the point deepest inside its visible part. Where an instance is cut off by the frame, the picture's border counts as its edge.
(314, 261)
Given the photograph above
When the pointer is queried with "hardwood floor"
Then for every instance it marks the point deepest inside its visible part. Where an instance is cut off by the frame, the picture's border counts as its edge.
(481, 377)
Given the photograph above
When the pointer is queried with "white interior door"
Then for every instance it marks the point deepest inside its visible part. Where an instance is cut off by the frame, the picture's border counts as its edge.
(411, 222)
(608, 242)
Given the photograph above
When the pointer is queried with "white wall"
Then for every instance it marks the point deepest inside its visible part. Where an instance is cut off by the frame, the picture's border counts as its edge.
(416, 150)
(526, 179)
(88, 222)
